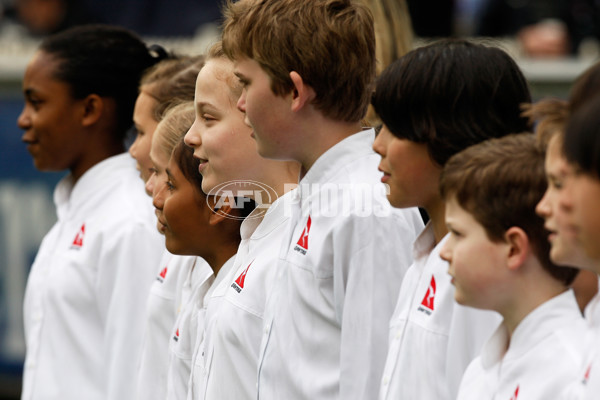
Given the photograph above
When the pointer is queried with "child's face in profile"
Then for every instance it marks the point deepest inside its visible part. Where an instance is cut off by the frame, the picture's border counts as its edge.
(185, 214)
(266, 112)
(408, 170)
(565, 250)
(477, 265)
(581, 200)
(220, 138)
(145, 125)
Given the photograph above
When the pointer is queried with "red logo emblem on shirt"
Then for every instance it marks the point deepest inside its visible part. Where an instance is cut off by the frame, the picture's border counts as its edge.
(302, 244)
(162, 275)
(238, 285)
(176, 337)
(428, 301)
(514, 396)
(78, 241)
(586, 376)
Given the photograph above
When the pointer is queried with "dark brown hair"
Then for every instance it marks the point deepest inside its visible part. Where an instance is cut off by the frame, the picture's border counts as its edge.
(499, 182)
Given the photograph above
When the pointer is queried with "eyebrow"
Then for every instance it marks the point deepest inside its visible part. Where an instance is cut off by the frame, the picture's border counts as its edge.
(169, 174)
(204, 105)
(240, 76)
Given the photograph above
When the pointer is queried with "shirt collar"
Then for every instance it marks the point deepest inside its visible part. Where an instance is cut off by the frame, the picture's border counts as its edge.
(67, 195)
(534, 328)
(257, 228)
(336, 158)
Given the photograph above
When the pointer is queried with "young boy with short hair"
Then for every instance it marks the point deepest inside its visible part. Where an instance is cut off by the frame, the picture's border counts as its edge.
(498, 252)
(308, 70)
(579, 199)
(434, 102)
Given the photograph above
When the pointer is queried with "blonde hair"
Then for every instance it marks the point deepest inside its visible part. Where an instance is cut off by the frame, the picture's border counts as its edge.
(393, 38)
(171, 81)
(393, 30)
(172, 128)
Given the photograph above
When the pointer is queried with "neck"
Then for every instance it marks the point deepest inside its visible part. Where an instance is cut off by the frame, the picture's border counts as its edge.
(93, 155)
(222, 254)
(437, 214)
(533, 287)
(280, 178)
(321, 137)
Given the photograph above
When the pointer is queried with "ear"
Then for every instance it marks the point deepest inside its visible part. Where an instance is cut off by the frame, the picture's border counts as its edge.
(302, 94)
(93, 109)
(219, 214)
(518, 247)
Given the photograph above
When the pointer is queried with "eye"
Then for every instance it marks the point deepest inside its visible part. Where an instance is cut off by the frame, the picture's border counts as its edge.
(454, 232)
(170, 186)
(208, 118)
(35, 103)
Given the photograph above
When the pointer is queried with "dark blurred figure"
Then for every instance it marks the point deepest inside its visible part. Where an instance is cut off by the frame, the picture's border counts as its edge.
(157, 17)
(45, 17)
(544, 28)
(160, 18)
(432, 18)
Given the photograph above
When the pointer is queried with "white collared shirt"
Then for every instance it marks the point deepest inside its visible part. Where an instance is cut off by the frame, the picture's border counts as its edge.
(161, 312)
(541, 360)
(586, 386)
(205, 321)
(184, 332)
(342, 263)
(87, 289)
(229, 353)
(432, 339)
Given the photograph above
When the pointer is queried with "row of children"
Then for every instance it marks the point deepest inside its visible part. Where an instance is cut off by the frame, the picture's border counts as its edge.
(287, 272)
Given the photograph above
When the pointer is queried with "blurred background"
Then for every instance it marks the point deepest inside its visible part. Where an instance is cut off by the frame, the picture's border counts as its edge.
(552, 40)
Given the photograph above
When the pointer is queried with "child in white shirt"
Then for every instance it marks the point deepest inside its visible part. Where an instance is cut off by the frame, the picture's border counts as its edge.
(499, 260)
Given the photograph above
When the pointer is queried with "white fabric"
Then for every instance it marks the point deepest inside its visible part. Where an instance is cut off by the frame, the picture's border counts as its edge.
(195, 381)
(87, 290)
(325, 333)
(586, 386)
(429, 349)
(161, 312)
(184, 332)
(541, 360)
(229, 353)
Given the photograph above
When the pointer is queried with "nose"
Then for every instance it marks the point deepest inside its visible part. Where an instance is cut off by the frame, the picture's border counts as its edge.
(133, 148)
(150, 184)
(446, 252)
(192, 137)
(241, 104)
(380, 143)
(543, 208)
(24, 119)
(158, 196)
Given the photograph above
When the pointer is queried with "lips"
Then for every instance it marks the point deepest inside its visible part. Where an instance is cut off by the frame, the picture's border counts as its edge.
(203, 164)
(385, 177)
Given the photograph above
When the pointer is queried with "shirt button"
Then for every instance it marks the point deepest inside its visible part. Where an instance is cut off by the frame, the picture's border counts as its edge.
(386, 380)
(398, 335)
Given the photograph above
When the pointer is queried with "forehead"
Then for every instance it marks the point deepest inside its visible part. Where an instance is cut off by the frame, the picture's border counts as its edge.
(456, 214)
(39, 74)
(215, 79)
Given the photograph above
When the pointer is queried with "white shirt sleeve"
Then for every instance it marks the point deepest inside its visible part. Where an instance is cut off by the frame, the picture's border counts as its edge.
(366, 284)
(126, 269)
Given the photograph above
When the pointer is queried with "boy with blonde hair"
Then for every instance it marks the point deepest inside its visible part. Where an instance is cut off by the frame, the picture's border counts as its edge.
(308, 70)
(499, 260)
